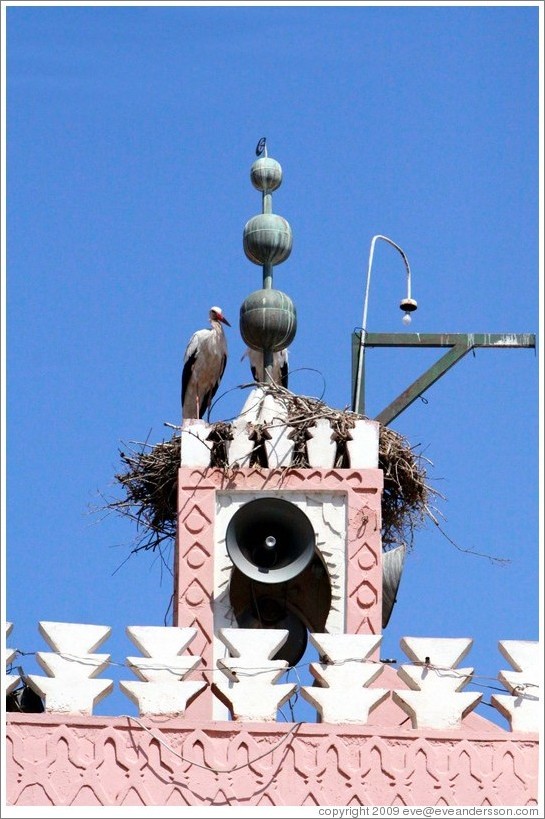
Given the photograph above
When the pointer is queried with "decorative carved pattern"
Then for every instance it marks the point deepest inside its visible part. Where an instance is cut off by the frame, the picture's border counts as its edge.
(113, 761)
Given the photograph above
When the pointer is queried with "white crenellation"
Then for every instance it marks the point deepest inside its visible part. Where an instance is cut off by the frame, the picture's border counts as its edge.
(321, 445)
(250, 691)
(195, 449)
(70, 687)
(279, 445)
(436, 700)
(278, 441)
(241, 447)
(268, 413)
(522, 706)
(345, 673)
(162, 689)
(244, 679)
(11, 681)
(363, 445)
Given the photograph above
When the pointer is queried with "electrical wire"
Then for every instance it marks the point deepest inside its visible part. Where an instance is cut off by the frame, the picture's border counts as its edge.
(235, 768)
(472, 679)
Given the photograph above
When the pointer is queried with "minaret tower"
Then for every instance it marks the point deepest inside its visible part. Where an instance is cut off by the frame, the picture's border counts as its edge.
(274, 548)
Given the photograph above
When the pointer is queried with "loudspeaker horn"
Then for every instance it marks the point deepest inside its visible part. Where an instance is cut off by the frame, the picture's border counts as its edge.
(392, 568)
(270, 540)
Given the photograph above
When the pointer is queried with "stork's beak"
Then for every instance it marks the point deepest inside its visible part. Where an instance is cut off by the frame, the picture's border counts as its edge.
(224, 320)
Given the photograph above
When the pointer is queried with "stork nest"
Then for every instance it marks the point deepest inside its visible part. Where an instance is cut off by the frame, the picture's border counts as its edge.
(148, 481)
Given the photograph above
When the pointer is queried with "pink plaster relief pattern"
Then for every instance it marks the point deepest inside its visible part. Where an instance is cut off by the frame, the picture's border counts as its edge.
(113, 761)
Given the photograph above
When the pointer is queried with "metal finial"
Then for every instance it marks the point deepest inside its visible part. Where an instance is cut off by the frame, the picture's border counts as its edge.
(268, 318)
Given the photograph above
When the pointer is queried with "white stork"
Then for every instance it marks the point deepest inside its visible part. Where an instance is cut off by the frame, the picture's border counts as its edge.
(204, 364)
(279, 372)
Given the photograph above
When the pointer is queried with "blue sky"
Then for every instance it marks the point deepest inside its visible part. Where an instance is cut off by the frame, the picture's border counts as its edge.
(130, 135)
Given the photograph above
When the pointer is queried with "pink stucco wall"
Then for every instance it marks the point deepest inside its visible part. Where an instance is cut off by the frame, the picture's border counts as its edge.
(58, 760)
(55, 760)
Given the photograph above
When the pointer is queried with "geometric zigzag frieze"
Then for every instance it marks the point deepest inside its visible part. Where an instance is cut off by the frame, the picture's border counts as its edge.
(117, 762)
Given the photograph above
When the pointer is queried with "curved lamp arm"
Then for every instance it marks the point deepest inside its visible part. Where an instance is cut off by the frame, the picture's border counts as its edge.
(409, 303)
(370, 265)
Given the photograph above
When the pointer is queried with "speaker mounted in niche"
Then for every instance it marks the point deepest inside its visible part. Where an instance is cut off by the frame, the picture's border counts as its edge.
(270, 540)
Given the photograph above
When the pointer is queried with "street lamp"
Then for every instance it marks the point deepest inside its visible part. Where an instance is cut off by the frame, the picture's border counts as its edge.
(408, 305)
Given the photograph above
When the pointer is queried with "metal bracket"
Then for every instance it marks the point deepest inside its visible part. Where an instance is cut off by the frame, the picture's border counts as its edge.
(460, 344)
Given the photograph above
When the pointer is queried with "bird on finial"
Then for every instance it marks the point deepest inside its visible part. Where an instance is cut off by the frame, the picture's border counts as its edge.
(279, 370)
(204, 364)
(261, 146)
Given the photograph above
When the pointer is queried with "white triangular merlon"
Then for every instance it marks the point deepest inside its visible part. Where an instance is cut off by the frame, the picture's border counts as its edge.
(345, 697)
(72, 668)
(279, 446)
(73, 638)
(521, 708)
(354, 706)
(272, 410)
(240, 448)
(523, 655)
(254, 646)
(435, 701)
(64, 697)
(194, 448)
(362, 446)
(251, 693)
(10, 652)
(253, 701)
(161, 698)
(70, 688)
(447, 652)
(162, 670)
(156, 641)
(321, 446)
(339, 648)
(252, 406)
(11, 681)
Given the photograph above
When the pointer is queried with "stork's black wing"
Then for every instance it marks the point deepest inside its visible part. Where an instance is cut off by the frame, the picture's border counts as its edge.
(284, 371)
(186, 373)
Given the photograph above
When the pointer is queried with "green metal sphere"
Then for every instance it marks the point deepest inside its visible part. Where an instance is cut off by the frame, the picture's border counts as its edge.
(268, 320)
(266, 174)
(267, 239)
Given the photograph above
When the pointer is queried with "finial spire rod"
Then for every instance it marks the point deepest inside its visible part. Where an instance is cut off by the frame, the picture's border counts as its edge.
(268, 317)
